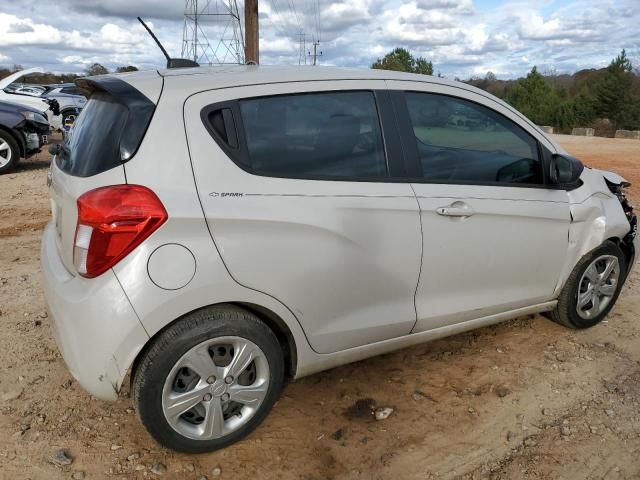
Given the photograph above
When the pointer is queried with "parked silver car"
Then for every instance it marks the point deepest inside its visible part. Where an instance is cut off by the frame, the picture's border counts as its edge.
(70, 101)
(218, 231)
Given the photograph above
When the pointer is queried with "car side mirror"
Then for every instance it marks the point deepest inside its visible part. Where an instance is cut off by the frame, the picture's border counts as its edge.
(565, 170)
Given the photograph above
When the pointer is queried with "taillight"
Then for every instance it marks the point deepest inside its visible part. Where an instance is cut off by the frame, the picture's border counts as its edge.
(112, 221)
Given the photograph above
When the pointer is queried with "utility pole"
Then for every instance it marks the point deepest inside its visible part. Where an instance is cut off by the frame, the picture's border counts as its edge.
(315, 53)
(252, 39)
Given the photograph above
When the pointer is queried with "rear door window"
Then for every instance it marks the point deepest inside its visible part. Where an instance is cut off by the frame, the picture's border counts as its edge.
(333, 135)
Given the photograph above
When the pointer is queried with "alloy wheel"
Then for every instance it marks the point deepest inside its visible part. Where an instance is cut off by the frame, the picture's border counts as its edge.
(597, 286)
(215, 387)
(5, 153)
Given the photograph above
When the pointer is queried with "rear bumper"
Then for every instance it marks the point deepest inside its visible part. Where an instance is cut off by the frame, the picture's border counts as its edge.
(93, 322)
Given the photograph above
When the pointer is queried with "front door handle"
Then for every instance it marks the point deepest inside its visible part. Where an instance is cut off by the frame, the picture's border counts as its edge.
(456, 209)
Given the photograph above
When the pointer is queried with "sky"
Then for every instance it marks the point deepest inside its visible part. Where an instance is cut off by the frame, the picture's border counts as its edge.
(462, 38)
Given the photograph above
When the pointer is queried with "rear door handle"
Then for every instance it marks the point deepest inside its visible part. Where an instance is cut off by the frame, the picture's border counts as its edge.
(456, 209)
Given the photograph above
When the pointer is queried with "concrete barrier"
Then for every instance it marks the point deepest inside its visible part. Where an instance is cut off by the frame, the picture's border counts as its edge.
(633, 134)
(584, 132)
(546, 128)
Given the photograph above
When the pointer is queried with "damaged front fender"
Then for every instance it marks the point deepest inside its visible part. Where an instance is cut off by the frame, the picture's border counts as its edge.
(597, 215)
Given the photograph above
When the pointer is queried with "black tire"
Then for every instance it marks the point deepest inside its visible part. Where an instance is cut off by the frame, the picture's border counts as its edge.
(565, 311)
(171, 344)
(14, 151)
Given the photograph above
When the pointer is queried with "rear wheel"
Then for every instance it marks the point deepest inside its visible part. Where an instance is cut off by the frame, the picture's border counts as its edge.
(9, 151)
(209, 379)
(592, 288)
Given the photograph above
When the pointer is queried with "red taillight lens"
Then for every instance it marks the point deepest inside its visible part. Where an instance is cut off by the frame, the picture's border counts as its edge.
(112, 221)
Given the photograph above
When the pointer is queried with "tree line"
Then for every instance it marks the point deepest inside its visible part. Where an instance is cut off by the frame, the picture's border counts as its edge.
(605, 99)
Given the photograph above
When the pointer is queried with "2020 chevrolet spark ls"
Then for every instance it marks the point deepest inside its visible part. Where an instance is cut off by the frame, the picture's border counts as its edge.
(217, 231)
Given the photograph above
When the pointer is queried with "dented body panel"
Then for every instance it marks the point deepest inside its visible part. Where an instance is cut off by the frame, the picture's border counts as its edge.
(93, 322)
(596, 216)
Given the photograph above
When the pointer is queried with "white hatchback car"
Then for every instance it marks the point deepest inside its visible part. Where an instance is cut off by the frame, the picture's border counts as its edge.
(217, 231)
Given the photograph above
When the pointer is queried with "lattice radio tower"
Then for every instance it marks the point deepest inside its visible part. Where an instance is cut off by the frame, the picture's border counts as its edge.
(218, 19)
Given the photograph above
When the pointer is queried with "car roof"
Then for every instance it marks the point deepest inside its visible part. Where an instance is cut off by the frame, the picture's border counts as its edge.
(196, 79)
(253, 75)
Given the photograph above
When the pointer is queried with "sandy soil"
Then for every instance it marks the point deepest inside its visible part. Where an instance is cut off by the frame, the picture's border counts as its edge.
(525, 399)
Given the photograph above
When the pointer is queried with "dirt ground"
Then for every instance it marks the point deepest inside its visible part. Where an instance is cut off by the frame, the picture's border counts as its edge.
(524, 399)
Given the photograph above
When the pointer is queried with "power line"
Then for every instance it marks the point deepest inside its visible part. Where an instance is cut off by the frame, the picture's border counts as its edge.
(278, 24)
(295, 14)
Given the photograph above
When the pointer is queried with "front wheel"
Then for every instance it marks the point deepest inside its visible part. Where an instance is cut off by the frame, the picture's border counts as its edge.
(592, 288)
(209, 379)
(9, 151)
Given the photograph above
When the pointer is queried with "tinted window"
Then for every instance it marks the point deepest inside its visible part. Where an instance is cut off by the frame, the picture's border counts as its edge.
(460, 140)
(93, 144)
(323, 135)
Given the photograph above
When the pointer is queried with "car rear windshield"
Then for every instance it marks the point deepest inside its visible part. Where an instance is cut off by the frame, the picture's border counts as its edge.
(93, 144)
(109, 129)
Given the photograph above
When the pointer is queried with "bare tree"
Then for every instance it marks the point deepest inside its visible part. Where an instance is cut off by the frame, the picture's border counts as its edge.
(96, 69)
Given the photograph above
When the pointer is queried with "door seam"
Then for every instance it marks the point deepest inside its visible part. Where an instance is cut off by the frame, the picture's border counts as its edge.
(415, 293)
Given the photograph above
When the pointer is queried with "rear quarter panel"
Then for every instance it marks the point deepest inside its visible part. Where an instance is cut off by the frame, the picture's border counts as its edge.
(162, 164)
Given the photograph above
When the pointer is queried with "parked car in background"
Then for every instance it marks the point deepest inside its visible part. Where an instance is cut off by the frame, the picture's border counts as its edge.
(46, 106)
(70, 101)
(23, 130)
(33, 90)
(276, 222)
(68, 88)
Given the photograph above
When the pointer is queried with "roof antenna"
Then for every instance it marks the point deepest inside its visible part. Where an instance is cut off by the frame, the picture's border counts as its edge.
(171, 62)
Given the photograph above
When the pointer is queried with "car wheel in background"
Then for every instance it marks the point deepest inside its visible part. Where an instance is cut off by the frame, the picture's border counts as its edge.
(68, 118)
(9, 151)
(592, 288)
(209, 379)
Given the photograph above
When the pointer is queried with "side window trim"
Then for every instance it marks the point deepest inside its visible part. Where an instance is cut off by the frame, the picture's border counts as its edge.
(397, 161)
(409, 145)
(395, 158)
(233, 126)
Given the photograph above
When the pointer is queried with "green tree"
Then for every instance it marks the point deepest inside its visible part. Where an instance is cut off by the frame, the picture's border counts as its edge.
(621, 62)
(401, 60)
(534, 97)
(96, 69)
(423, 66)
(128, 68)
(613, 93)
(584, 111)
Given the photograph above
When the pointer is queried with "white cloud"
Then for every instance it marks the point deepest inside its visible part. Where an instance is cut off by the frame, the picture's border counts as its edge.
(461, 36)
(24, 31)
